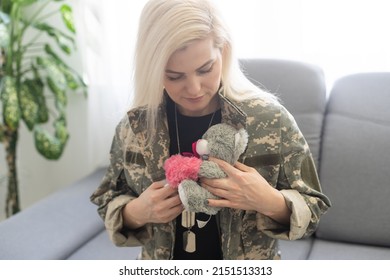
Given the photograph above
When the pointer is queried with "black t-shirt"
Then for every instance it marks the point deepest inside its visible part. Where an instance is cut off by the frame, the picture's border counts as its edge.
(191, 129)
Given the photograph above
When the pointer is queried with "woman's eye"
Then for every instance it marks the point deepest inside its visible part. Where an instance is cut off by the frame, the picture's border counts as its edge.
(206, 70)
(173, 78)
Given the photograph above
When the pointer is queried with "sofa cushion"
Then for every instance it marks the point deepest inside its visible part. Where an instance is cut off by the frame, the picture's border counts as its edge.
(355, 160)
(330, 250)
(101, 248)
(54, 227)
(300, 88)
(295, 249)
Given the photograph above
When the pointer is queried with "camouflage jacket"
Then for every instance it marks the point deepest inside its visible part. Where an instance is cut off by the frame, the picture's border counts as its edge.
(276, 148)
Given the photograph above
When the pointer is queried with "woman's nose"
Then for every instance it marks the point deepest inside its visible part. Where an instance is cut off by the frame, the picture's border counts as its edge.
(193, 85)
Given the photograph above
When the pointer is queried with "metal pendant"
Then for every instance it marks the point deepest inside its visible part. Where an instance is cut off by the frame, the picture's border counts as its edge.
(189, 241)
(188, 219)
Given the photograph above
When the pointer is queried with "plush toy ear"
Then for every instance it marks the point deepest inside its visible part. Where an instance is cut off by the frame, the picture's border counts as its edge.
(202, 147)
(241, 140)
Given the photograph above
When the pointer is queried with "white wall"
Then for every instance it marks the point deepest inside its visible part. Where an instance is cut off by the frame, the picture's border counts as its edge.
(341, 36)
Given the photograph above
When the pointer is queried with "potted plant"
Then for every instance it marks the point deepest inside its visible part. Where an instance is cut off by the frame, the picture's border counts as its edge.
(34, 81)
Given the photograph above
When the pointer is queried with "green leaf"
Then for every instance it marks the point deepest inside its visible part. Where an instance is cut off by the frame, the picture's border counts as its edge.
(51, 147)
(60, 95)
(73, 80)
(67, 17)
(9, 96)
(61, 133)
(52, 53)
(60, 37)
(62, 43)
(47, 145)
(43, 112)
(56, 80)
(33, 103)
(53, 72)
(28, 105)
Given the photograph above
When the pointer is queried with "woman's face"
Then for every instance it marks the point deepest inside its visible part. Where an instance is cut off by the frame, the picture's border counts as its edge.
(193, 76)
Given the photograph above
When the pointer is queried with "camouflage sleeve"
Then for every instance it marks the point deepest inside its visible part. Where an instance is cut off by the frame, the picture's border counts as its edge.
(298, 182)
(114, 182)
(114, 193)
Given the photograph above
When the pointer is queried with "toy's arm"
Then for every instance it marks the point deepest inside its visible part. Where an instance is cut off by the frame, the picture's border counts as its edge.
(209, 169)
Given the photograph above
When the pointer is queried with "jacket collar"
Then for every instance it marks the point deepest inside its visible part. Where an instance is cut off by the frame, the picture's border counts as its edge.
(232, 113)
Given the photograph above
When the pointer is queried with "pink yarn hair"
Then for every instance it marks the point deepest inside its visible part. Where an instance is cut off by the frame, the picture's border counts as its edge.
(178, 168)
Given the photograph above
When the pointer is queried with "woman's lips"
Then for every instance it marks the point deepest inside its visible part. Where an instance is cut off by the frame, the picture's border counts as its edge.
(195, 100)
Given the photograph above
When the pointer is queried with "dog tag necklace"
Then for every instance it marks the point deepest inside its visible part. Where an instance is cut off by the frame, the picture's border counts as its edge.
(188, 217)
(189, 238)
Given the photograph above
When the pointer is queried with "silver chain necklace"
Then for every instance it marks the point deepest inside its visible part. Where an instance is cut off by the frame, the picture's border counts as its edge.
(188, 218)
(177, 128)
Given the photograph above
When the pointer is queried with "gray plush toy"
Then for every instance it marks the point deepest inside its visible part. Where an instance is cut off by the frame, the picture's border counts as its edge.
(220, 141)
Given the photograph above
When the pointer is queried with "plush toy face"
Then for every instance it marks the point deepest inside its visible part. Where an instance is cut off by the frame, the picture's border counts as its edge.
(225, 142)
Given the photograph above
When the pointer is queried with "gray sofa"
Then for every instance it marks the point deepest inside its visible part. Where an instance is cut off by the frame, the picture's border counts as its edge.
(348, 134)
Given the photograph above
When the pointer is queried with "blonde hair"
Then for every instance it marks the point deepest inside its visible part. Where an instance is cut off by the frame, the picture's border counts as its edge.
(168, 25)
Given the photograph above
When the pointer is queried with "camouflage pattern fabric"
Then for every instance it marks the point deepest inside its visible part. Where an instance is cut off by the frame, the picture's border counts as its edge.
(276, 149)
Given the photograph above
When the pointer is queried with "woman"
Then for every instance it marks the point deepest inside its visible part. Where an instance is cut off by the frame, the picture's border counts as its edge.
(186, 80)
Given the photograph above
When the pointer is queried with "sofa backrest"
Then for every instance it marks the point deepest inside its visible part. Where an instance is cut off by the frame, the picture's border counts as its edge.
(300, 88)
(355, 160)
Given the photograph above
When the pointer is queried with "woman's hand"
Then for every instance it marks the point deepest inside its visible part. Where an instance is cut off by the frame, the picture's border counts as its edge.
(244, 188)
(159, 203)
